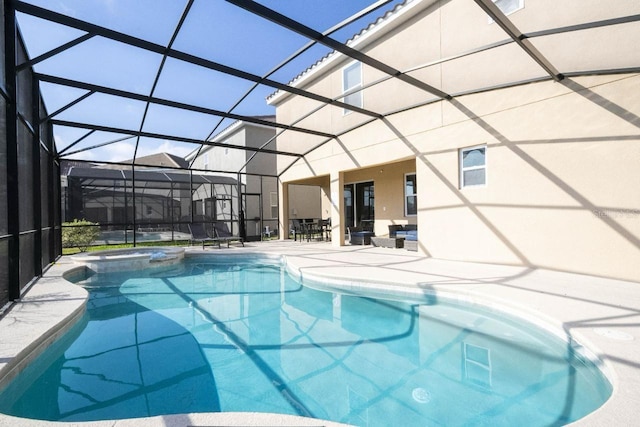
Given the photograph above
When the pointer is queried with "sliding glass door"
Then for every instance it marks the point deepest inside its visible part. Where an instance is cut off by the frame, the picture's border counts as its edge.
(359, 205)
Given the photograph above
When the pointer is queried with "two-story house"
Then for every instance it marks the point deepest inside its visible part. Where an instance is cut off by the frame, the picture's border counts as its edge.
(257, 173)
(507, 131)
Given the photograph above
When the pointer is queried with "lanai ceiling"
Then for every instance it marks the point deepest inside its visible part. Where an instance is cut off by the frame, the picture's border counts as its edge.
(124, 79)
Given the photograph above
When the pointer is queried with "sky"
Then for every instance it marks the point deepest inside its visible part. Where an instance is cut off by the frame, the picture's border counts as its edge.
(214, 29)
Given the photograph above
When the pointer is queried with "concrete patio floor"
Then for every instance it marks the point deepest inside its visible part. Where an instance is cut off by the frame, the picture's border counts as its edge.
(600, 314)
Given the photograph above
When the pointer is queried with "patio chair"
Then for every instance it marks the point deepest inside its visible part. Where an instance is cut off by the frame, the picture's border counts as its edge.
(315, 230)
(223, 234)
(199, 234)
(326, 226)
(358, 236)
(296, 229)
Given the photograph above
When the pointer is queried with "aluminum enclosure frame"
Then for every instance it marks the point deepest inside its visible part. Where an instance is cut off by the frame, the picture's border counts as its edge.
(314, 36)
(31, 248)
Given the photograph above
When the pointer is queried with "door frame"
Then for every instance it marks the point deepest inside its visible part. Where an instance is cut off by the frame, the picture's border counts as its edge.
(356, 220)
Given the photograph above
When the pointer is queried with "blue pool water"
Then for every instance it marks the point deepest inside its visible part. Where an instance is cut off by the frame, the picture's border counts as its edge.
(221, 335)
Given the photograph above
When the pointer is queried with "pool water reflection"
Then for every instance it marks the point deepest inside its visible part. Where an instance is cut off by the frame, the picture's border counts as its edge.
(218, 335)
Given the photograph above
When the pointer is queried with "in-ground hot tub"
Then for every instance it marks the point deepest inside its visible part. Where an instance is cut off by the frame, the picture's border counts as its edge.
(130, 259)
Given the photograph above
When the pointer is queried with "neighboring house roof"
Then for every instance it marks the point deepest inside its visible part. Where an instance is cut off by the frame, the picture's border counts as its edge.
(162, 159)
(67, 165)
(228, 131)
(357, 38)
(147, 175)
(267, 117)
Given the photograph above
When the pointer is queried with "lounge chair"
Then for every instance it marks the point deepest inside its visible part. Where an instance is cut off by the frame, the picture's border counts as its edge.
(223, 234)
(199, 234)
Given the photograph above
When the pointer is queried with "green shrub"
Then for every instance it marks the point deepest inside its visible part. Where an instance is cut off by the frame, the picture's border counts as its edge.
(79, 234)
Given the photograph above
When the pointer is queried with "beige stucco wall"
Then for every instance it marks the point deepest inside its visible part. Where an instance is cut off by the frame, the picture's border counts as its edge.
(562, 158)
(430, 31)
(562, 172)
(562, 175)
(305, 201)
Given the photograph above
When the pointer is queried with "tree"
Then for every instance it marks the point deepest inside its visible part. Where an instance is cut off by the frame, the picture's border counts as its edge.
(79, 233)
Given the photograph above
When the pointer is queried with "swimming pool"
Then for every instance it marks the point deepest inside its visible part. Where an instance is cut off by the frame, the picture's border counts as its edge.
(250, 338)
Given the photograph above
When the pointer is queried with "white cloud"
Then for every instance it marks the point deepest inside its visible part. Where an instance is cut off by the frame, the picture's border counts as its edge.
(116, 152)
(123, 150)
(60, 142)
(120, 151)
(110, 5)
(65, 9)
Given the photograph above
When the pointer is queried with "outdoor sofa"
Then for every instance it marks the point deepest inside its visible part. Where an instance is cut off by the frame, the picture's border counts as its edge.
(357, 236)
(400, 236)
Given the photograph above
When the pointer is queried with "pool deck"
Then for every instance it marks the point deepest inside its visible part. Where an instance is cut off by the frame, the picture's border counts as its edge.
(603, 315)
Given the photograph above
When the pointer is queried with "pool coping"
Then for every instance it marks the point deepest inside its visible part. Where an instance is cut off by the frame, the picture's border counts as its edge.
(53, 304)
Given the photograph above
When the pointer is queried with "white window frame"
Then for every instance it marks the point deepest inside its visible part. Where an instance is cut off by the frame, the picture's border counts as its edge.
(406, 196)
(347, 89)
(463, 169)
(479, 372)
(273, 202)
(520, 6)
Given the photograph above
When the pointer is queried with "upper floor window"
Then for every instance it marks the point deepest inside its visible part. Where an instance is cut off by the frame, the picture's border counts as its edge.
(352, 80)
(473, 166)
(206, 161)
(508, 6)
(410, 195)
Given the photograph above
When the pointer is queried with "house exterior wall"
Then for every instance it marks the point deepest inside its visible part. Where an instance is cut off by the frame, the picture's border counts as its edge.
(432, 30)
(562, 170)
(560, 181)
(305, 201)
(388, 182)
(389, 191)
(260, 163)
(258, 211)
(221, 158)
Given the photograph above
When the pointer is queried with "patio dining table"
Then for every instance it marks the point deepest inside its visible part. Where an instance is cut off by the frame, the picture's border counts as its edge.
(309, 228)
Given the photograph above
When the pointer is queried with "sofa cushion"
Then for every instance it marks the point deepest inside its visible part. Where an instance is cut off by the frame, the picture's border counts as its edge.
(408, 234)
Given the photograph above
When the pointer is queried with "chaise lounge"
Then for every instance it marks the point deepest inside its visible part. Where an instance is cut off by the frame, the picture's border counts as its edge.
(224, 235)
(199, 234)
